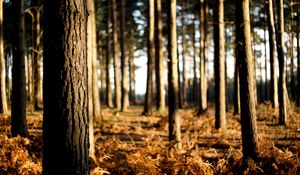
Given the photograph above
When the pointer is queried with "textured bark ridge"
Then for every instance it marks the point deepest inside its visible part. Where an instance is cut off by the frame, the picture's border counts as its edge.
(245, 62)
(65, 125)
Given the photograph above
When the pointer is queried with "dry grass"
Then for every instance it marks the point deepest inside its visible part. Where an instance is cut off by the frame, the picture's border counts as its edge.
(133, 144)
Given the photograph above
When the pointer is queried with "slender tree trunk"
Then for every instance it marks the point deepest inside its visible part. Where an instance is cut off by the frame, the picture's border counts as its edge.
(66, 115)
(93, 90)
(7, 78)
(184, 48)
(280, 53)
(116, 57)
(125, 98)
(159, 59)
(266, 66)
(174, 120)
(18, 107)
(131, 68)
(292, 84)
(179, 82)
(102, 68)
(271, 30)
(195, 84)
(30, 79)
(109, 102)
(245, 63)
(36, 57)
(220, 98)
(151, 54)
(3, 100)
(298, 60)
(203, 79)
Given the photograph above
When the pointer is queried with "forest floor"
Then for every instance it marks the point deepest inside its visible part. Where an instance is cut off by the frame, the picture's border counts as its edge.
(129, 143)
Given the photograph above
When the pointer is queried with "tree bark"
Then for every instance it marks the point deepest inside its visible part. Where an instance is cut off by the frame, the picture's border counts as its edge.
(245, 64)
(7, 78)
(184, 48)
(220, 98)
(174, 120)
(125, 97)
(271, 31)
(280, 54)
(116, 57)
(3, 100)
(66, 115)
(131, 65)
(203, 78)
(298, 60)
(36, 57)
(18, 107)
(237, 104)
(93, 89)
(161, 106)
(151, 54)
(109, 102)
(195, 83)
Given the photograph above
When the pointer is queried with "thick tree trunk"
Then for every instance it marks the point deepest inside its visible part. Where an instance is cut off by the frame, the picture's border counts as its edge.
(203, 79)
(271, 31)
(116, 56)
(220, 98)
(125, 97)
(237, 104)
(18, 107)
(151, 54)
(66, 116)
(159, 59)
(174, 120)
(109, 101)
(3, 100)
(280, 54)
(245, 63)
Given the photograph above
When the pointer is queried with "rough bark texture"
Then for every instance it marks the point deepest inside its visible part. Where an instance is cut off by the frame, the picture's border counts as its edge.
(116, 56)
(280, 54)
(109, 102)
(203, 78)
(174, 120)
(245, 63)
(3, 100)
(160, 97)
(271, 31)
(151, 54)
(66, 117)
(124, 61)
(18, 106)
(220, 98)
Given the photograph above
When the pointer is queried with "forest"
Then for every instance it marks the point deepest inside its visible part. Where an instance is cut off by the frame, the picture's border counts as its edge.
(158, 87)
